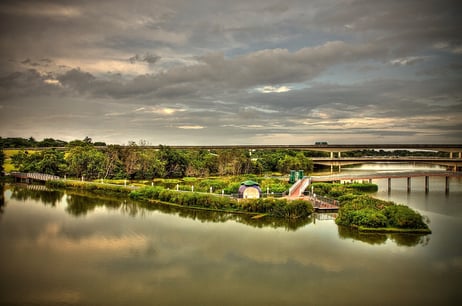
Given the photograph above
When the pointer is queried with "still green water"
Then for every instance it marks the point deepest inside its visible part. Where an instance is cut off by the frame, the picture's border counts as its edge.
(74, 249)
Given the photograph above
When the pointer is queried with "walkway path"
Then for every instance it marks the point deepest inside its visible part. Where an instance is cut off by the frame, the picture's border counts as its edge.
(319, 203)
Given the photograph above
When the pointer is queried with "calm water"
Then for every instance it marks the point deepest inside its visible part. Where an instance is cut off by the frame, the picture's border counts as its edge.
(71, 249)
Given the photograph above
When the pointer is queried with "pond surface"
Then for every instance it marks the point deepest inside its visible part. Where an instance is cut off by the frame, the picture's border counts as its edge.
(77, 249)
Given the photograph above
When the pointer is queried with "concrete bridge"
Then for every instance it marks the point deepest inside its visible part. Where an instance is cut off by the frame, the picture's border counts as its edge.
(453, 163)
(454, 150)
(389, 176)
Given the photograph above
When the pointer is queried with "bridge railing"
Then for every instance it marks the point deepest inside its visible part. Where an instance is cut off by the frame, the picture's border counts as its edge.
(35, 176)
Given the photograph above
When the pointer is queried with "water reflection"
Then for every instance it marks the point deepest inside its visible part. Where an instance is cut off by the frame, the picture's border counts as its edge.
(24, 192)
(2, 198)
(221, 217)
(50, 257)
(80, 204)
(408, 240)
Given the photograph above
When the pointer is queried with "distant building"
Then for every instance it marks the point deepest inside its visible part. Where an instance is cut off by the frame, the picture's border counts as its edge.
(249, 190)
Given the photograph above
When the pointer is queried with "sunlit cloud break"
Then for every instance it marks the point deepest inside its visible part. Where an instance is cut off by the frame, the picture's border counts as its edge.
(190, 127)
(270, 89)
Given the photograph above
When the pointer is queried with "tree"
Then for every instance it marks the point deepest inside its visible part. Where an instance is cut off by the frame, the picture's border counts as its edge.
(86, 161)
(234, 162)
(2, 161)
(201, 163)
(52, 162)
(130, 159)
(297, 162)
(175, 163)
(46, 161)
(149, 165)
(113, 165)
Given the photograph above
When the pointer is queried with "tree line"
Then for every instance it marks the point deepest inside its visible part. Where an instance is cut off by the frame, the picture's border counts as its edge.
(82, 158)
(31, 142)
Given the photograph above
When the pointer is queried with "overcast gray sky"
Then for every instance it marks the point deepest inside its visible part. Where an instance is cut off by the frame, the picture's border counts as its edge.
(232, 72)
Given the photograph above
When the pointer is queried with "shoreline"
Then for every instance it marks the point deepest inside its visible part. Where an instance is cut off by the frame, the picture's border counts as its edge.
(258, 208)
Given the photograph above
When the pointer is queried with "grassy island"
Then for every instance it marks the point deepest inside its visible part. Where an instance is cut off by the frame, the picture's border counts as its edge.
(272, 207)
(357, 209)
(365, 213)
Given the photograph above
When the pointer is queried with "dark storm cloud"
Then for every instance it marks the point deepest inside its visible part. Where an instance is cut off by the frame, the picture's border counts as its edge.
(148, 58)
(212, 70)
(208, 70)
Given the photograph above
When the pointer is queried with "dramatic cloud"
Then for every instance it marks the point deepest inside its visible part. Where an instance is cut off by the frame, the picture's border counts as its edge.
(232, 72)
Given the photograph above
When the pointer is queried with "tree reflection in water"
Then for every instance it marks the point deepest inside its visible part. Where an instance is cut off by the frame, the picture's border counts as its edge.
(23, 192)
(81, 203)
(2, 199)
(401, 239)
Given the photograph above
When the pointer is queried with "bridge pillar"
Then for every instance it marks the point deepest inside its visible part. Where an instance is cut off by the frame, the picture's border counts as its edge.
(460, 154)
(332, 155)
(450, 155)
(409, 184)
(389, 184)
(427, 185)
(446, 189)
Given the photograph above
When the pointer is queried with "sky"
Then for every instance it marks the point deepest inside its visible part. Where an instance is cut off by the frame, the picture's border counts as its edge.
(198, 72)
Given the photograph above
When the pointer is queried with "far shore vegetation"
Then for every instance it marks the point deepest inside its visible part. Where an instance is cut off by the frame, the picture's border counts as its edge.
(203, 179)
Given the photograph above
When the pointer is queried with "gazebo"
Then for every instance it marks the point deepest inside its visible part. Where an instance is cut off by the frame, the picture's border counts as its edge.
(249, 190)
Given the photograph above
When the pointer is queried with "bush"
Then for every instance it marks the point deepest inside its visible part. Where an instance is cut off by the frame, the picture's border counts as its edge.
(364, 187)
(365, 211)
(281, 208)
(401, 216)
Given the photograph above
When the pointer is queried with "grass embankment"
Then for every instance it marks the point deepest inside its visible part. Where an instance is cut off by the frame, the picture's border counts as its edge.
(273, 207)
(365, 213)
(225, 184)
(89, 186)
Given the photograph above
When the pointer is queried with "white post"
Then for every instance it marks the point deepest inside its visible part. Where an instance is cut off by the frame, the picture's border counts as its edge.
(152, 184)
(125, 182)
(211, 189)
(192, 188)
(177, 187)
(222, 192)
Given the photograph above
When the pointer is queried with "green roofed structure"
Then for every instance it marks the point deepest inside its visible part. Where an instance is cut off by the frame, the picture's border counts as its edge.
(249, 190)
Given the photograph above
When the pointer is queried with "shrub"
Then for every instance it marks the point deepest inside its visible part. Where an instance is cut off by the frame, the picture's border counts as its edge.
(368, 212)
(363, 187)
(401, 216)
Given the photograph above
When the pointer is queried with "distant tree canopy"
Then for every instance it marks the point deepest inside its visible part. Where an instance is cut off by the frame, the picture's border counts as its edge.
(91, 160)
(18, 142)
(83, 158)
